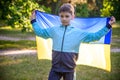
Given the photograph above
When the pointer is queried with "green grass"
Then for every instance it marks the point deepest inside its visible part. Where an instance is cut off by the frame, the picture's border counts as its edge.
(89, 73)
(116, 35)
(28, 67)
(16, 33)
(115, 44)
(22, 44)
(23, 68)
(8, 31)
(116, 32)
(27, 44)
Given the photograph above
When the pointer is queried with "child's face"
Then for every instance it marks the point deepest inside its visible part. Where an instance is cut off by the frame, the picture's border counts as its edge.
(65, 17)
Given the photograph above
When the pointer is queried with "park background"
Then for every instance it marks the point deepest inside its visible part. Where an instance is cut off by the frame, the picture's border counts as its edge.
(16, 34)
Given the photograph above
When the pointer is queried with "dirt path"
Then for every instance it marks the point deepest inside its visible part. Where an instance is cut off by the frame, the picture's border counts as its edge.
(17, 52)
(16, 38)
(26, 52)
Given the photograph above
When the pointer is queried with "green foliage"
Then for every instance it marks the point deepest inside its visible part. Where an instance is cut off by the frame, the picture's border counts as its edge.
(94, 13)
(17, 12)
(82, 10)
(4, 4)
(111, 8)
(20, 11)
(116, 10)
(107, 8)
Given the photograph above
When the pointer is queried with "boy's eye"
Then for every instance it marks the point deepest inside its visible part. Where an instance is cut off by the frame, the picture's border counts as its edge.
(64, 16)
(61, 16)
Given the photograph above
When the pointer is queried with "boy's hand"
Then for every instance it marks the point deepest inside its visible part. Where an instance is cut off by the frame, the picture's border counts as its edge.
(33, 16)
(112, 20)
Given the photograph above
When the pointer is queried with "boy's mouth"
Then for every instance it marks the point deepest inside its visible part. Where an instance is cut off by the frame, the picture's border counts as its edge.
(65, 23)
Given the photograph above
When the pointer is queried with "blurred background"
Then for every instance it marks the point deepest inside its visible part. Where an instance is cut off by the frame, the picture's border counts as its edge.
(16, 13)
(18, 58)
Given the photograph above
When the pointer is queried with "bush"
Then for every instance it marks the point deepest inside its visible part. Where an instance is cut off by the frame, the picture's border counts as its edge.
(111, 8)
(4, 4)
(116, 6)
(107, 8)
(82, 10)
(20, 11)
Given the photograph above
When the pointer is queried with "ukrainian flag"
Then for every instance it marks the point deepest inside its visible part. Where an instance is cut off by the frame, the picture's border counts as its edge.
(95, 54)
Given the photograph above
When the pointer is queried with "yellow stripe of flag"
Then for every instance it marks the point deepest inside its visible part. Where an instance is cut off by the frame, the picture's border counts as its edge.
(95, 55)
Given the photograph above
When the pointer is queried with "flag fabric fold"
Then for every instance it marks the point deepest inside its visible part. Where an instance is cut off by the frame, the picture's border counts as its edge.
(95, 54)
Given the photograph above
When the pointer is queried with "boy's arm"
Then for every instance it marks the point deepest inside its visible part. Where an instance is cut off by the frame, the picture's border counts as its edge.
(44, 33)
(97, 35)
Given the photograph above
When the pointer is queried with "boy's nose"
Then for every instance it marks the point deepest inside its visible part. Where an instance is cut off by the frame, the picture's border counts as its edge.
(64, 18)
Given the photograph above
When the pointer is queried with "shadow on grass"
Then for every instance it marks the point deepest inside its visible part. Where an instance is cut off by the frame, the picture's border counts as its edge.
(8, 31)
(23, 68)
(28, 67)
(21, 44)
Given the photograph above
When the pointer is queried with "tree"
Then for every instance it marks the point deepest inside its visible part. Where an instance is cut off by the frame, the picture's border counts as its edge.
(111, 8)
(82, 10)
(107, 8)
(17, 12)
(53, 5)
(116, 8)
(94, 7)
(20, 11)
(4, 8)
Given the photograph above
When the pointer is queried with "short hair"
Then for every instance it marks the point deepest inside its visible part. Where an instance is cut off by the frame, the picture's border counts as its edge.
(66, 7)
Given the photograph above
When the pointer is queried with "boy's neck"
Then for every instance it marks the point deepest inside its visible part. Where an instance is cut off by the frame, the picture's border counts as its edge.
(66, 25)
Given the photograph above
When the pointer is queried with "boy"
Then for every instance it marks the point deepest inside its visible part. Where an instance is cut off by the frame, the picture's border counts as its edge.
(66, 42)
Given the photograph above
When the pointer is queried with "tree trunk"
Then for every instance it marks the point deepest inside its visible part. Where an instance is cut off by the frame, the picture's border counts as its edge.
(55, 6)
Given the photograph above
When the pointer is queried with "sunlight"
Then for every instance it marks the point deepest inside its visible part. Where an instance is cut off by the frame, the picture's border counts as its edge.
(11, 62)
(116, 25)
